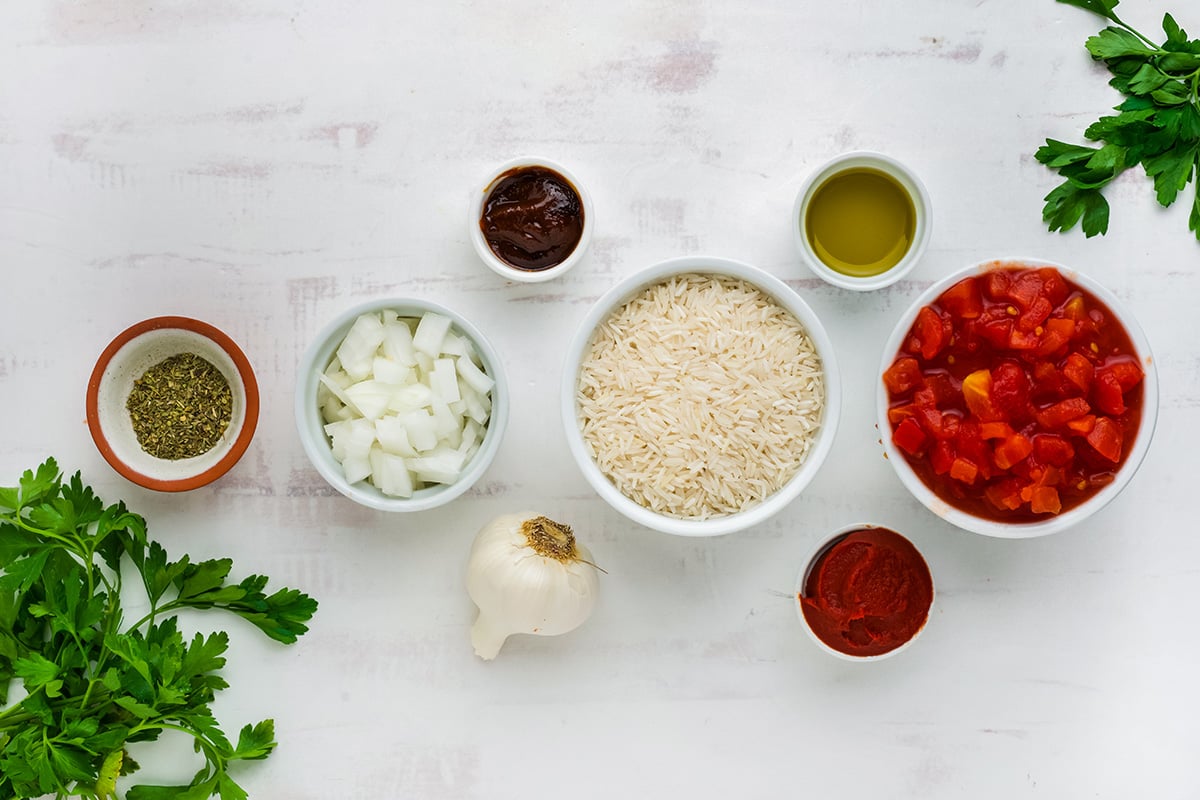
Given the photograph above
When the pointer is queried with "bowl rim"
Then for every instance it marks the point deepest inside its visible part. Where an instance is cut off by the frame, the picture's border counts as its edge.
(245, 432)
(923, 208)
(806, 567)
(495, 263)
(307, 414)
(625, 290)
(1067, 519)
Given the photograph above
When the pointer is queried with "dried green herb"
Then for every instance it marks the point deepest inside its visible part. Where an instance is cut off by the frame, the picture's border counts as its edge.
(180, 407)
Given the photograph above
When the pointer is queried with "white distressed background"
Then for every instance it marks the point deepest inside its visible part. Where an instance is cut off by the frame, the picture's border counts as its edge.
(263, 165)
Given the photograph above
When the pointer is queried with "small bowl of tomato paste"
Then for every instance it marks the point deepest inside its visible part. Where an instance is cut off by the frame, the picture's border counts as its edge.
(865, 593)
(1017, 398)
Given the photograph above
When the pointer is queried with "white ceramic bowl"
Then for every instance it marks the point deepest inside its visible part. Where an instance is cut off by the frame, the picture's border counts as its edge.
(125, 360)
(802, 579)
(311, 426)
(498, 265)
(907, 179)
(1060, 522)
(618, 296)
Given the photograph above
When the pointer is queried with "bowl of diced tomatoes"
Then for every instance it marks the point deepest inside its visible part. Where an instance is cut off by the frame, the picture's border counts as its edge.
(1017, 397)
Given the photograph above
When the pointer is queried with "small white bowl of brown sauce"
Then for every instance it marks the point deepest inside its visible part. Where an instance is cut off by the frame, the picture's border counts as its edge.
(531, 220)
(862, 221)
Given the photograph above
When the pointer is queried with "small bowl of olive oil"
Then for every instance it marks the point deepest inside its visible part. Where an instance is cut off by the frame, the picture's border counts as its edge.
(862, 221)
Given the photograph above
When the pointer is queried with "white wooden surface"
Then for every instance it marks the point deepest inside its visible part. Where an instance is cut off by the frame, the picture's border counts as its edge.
(263, 165)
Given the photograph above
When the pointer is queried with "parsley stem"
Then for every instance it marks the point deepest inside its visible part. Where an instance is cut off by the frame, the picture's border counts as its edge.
(1113, 16)
(21, 523)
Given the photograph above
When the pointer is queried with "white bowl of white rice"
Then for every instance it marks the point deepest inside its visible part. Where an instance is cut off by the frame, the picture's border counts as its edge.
(700, 396)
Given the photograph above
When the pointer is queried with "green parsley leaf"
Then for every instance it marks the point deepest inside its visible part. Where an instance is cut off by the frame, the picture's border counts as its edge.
(1158, 124)
(256, 742)
(1116, 43)
(35, 670)
(1102, 7)
(1171, 172)
(95, 680)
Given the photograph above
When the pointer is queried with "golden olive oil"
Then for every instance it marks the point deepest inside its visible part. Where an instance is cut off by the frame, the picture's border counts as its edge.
(860, 222)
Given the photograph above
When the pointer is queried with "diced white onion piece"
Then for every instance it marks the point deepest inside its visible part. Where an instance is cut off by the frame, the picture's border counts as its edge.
(340, 377)
(443, 465)
(389, 371)
(398, 343)
(371, 398)
(424, 366)
(475, 408)
(470, 435)
(444, 381)
(356, 468)
(390, 474)
(444, 421)
(338, 443)
(454, 345)
(388, 315)
(393, 436)
(472, 353)
(357, 350)
(420, 429)
(331, 408)
(410, 397)
(458, 408)
(335, 390)
(356, 437)
(474, 376)
(431, 332)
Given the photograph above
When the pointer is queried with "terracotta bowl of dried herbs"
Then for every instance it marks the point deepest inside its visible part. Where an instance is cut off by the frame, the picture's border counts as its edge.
(172, 403)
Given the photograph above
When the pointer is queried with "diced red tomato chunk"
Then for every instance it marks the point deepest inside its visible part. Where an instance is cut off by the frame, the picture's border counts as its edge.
(1106, 439)
(1056, 337)
(995, 430)
(1052, 449)
(1125, 370)
(1061, 413)
(1045, 500)
(1108, 395)
(964, 470)
(942, 457)
(1012, 450)
(1005, 495)
(1082, 426)
(1010, 390)
(1024, 290)
(963, 299)
(1039, 312)
(1079, 371)
(909, 437)
(903, 376)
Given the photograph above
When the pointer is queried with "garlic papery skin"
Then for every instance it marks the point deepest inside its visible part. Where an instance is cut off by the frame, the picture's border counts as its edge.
(527, 574)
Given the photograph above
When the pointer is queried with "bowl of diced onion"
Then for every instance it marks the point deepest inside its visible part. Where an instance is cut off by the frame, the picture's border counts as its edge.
(401, 404)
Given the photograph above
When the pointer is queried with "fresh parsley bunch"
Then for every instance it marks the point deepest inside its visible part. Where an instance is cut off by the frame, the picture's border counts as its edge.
(95, 681)
(1158, 125)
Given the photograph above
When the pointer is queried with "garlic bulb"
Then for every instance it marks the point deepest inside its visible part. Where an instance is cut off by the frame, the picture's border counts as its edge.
(527, 574)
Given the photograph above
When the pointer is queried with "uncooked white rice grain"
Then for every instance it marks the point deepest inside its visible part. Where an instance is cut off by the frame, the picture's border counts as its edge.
(700, 397)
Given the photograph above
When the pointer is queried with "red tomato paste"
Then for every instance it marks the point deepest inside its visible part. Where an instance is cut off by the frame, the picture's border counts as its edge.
(1016, 395)
(868, 593)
